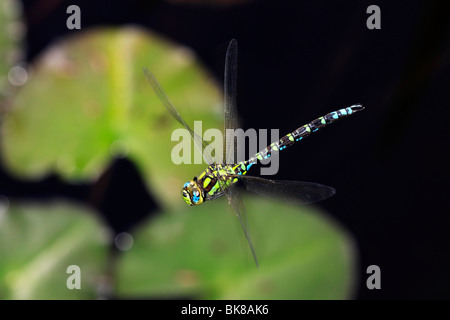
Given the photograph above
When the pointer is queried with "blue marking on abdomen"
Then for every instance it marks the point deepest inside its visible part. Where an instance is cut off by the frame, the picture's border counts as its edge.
(343, 112)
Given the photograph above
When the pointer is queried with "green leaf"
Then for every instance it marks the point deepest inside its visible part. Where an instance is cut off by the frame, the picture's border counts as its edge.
(200, 252)
(88, 101)
(37, 244)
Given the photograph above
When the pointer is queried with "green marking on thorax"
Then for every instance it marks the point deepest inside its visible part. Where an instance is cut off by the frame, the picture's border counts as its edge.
(206, 182)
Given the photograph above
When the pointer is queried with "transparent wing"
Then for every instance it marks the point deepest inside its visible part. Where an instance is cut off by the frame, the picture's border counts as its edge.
(238, 206)
(230, 93)
(231, 122)
(299, 192)
(198, 141)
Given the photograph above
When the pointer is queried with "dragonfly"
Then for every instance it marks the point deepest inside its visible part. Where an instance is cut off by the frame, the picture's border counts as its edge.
(220, 179)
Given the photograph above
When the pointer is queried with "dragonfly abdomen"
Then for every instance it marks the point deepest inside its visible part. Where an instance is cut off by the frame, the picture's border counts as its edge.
(301, 133)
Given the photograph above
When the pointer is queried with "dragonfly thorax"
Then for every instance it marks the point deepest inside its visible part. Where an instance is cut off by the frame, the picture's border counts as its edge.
(211, 183)
(192, 193)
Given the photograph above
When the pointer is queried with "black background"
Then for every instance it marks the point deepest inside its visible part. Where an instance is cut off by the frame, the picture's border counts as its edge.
(299, 60)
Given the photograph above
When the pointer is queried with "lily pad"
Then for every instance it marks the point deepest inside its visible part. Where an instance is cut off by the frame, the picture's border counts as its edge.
(201, 253)
(38, 242)
(88, 101)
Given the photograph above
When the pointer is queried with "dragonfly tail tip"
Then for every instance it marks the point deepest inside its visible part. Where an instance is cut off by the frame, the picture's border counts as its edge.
(357, 107)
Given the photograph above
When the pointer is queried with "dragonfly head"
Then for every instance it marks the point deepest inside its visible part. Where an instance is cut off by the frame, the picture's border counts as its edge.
(192, 193)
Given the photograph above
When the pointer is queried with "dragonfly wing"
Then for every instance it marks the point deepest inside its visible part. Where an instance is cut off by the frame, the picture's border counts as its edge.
(236, 203)
(230, 93)
(299, 192)
(199, 143)
(230, 146)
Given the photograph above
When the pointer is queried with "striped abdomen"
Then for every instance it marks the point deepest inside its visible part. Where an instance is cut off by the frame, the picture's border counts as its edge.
(217, 177)
(302, 133)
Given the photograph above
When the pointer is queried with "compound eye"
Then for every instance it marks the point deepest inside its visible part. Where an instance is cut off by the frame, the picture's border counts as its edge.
(196, 196)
